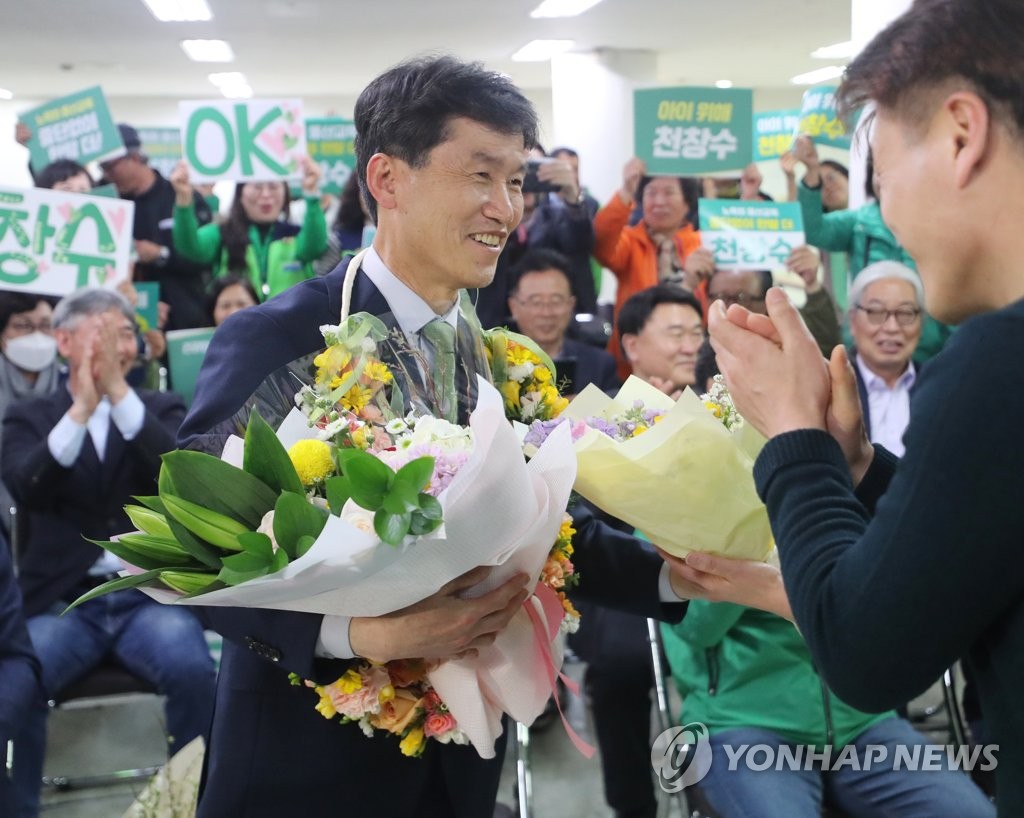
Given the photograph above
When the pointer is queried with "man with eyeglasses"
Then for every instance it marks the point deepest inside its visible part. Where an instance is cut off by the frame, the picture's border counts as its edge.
(541, 304)
(748, 288)
(886, 301)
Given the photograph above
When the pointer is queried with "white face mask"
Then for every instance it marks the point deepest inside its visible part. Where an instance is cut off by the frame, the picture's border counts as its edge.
(33, 352)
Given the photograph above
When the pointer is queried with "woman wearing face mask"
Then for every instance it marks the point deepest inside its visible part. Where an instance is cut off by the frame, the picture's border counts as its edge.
(28, 360)
(256, 238)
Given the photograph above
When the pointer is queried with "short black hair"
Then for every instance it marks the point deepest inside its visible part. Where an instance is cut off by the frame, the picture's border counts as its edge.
(689, 185)
(706, 367)
(59, 171)
(405, 112)
(976, 43)
(564, 149)
(636, 312)
(220, 284)
(537, 259)
(13, 302)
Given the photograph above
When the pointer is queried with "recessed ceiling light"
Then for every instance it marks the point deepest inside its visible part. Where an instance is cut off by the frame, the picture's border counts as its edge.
(540, 50)
(179, 11)
(829, 72)
(836, 51)
(723, 84)
(232, 84)
(5, 94)
(208, 50)
(562, 8)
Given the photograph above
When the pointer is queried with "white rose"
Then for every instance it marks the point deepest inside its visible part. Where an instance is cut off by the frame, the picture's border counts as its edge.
(357, 516)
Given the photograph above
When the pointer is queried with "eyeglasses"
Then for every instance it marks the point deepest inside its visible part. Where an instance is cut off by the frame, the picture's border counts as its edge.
(905, 316)
(736, 298)
(22, 326)
(538, 302)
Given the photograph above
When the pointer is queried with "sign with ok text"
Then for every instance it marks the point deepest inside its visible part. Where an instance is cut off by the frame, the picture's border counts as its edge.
(690, 131)
(254, 139)
(78, 127)
(53, 242)
(750, 235)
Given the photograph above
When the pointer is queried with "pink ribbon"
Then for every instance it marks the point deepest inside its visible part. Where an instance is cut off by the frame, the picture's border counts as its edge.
(543, 637)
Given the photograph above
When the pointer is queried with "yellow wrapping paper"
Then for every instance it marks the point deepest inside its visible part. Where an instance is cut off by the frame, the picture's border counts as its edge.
(686, 483)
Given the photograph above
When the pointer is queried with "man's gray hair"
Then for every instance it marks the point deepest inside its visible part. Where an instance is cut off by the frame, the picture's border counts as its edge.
(90, 301)
(880, 271)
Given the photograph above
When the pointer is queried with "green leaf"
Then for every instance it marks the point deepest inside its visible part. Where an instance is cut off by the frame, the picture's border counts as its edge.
(255, 542)
(416, 473)
(304, 544)
(211, 483)
(368, 477)
(295, 517)
(266, 458)
(169, 551)
(401, 498)
(239, 568)
(129, 555)
(153, 503)
(338, 493)
(430, 507)
(421, 525)
(131, 581)
(391, 528)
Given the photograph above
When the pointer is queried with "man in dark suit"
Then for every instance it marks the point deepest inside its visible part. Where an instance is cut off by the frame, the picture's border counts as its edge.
(440, 150)
(20, 684)
(72, 460)
(542, 305)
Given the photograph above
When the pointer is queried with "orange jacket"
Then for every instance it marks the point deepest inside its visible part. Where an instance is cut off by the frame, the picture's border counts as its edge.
(631, 255)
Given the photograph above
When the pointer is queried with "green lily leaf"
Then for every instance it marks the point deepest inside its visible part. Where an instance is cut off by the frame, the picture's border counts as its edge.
(304, 544)
(416, 473)
(401, 498)
(266, 458)
(131, 581)
(239, 568)
(211, 483)
(368, 477)
(338, 493)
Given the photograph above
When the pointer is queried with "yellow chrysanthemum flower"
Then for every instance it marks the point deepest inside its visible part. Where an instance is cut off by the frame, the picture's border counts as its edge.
(350, 682)
(361, 438)
(377, 372)
(412, 744)
(519, 355)
(331, 361)
(542, 374)
(312, 460)
(356, 398)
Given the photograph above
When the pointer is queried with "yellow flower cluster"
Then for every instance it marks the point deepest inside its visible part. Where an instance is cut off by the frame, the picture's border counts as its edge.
(536, 390)
(313, 461)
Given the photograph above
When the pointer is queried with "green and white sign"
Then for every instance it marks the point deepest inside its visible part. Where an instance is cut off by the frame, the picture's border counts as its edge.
(147, 311)
(819, 120)
(774, 133)
(255, 139)
(78, 127)
(186, 349)
(53, 242)
(750, 235)
(689, 131)
(331, 143)
(162, 146)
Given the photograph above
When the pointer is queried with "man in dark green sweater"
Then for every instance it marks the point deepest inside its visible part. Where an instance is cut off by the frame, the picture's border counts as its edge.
(895, 569)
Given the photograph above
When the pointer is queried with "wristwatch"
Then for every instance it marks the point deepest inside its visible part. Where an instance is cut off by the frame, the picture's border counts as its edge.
(165, 254)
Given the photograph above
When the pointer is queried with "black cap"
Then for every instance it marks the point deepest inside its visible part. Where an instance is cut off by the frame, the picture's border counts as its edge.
(130, 137)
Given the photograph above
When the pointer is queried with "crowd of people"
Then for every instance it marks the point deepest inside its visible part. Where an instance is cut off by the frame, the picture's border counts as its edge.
(867, 571)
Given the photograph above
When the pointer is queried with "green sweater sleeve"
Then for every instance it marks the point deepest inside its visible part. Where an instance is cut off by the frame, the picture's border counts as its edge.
(198, 244)
(311, 242)
(828, 231)
(707, 623)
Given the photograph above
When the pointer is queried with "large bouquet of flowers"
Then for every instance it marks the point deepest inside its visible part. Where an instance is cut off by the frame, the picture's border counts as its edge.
(364, 502)
(679, 471)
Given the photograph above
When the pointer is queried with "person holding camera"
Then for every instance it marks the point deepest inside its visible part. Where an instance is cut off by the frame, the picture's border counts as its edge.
(555, 217)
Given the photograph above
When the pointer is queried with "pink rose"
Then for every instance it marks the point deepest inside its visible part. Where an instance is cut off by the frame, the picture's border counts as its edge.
(438, 723)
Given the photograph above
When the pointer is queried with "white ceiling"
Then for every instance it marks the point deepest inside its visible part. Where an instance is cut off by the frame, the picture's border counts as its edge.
(324, 48)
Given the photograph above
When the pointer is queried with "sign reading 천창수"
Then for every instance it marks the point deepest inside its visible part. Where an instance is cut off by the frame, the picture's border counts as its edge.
(331, 143)
(750, 235)
(820, 120)
(78, 127)
(774, 133)
(690, 131)
(53, 242)
(243, 140)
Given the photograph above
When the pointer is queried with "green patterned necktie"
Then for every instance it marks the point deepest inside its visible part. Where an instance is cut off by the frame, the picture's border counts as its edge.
(441, 337)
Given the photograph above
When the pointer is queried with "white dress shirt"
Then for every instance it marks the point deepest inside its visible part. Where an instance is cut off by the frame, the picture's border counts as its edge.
(888, 407)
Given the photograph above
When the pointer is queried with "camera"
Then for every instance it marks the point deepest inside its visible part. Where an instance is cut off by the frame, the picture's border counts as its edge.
(531, 184)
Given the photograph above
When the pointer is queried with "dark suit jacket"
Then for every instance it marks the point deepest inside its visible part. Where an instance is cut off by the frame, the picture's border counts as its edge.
(66, 505)
(593, 365)
(270, 753)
